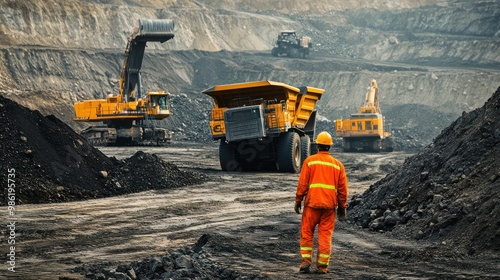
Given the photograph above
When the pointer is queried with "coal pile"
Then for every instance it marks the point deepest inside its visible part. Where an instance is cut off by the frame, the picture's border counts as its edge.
(448, 192)
(192, 262)
(145, 171)
(52, 163)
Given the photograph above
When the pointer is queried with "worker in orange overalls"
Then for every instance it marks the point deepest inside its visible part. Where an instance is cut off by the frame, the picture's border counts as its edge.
(323, 183)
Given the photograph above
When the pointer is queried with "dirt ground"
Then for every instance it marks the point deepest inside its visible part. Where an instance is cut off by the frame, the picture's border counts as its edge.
(250, 214)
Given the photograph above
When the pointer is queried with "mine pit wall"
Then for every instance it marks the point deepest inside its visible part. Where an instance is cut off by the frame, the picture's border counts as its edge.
(408, 31)
(206, 25)
(52, 80)
(55, 52)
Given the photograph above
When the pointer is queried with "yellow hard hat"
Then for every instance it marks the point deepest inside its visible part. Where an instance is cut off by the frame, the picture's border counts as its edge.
(324, 138)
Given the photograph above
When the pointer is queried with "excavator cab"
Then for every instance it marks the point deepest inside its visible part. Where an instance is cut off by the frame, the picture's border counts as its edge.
(159, 104)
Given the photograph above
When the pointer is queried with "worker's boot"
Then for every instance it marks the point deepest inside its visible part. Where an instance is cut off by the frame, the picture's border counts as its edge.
(305, 267)
(322, 270)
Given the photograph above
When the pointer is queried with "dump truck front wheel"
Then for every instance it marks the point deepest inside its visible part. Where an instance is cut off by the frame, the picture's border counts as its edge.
(227, 157)
(289, 152)
(274, 51)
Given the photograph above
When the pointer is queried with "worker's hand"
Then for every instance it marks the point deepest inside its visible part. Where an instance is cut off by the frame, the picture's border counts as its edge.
(298, 206)
(341, 213)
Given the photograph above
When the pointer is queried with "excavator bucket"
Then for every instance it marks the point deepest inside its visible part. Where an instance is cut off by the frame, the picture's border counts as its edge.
(155, 30)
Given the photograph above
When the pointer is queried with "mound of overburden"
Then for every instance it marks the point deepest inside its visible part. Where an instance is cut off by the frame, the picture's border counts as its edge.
(448, 192)
(145, 171)
(52, 163)
(192, 262)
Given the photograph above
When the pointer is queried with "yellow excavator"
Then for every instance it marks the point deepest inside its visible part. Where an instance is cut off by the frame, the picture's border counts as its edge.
(366, 130)
(129, 118)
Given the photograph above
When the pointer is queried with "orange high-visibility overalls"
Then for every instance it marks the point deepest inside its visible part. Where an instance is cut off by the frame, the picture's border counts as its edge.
(323, 182)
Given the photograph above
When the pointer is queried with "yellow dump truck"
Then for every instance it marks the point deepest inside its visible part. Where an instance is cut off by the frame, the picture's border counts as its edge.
(263, 125)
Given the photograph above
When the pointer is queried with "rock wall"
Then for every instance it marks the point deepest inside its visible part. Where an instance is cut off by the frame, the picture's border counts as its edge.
(384, 30)
(442, 55)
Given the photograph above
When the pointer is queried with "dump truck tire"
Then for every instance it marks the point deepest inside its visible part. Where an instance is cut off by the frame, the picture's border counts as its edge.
(305, 148)
(314, 149)
(289, 152)
(274, 51)
(227, 157)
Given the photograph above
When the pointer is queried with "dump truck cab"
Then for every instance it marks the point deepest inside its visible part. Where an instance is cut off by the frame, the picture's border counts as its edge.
(263, 123)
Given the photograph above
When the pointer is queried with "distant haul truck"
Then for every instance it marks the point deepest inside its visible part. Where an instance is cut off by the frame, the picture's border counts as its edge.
(366, 130)
(291, 45)
(263, 124)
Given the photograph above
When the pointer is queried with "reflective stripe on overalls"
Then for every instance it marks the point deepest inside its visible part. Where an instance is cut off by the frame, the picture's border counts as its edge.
(306, 254)
(323, 260)
(319, 185)
(313, 162)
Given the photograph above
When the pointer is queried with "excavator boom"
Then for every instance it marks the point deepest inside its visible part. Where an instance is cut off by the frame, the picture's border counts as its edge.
(371, 104)
(148, 30)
